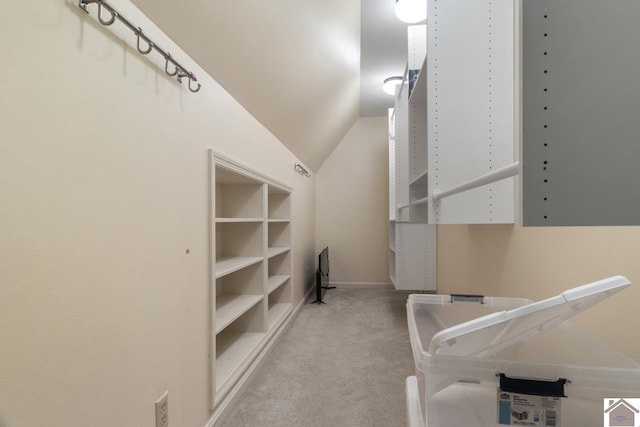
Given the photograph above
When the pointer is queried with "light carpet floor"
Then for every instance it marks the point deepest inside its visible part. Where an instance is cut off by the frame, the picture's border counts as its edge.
(343, 363)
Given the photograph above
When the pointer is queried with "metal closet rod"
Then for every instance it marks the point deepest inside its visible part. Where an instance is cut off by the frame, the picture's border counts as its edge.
(178, 70)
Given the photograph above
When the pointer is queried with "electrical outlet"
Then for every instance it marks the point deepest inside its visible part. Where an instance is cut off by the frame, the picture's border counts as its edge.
(162, 410)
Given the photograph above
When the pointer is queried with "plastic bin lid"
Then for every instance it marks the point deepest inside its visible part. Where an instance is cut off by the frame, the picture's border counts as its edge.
(495, 332)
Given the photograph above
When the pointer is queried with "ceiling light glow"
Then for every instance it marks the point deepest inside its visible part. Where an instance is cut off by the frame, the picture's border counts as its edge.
(390, 84)
(411, 11)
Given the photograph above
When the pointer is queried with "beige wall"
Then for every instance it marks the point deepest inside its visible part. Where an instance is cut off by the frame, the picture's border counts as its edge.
(536, 263)
(352, 208)
(103, 189)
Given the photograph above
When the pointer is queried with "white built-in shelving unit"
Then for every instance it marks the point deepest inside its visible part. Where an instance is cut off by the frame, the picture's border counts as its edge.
(453, 150)
(251, 267)
(412, 241)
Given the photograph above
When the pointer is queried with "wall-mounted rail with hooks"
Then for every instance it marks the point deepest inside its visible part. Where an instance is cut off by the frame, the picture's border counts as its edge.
(301, 170)
(178, 70)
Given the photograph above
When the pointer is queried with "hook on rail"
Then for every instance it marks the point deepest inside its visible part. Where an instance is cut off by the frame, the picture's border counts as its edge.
(166, 66)
(83, 5)
(149, 43)
(301, 170)
(111, 20)
(193, 79)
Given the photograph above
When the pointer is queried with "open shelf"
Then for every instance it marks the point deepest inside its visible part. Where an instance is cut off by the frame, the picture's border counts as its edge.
(279, 304)
(279, 265)
(232, 350)
(227, 265)
(271, 252)
(231, 306)
(276, 313)
(237, 195)
(272, 220)
(279, 203)
(420, 179)
(223, 220)
(275, 281)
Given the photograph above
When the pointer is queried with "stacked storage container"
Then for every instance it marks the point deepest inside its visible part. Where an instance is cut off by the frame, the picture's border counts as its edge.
(479, 359)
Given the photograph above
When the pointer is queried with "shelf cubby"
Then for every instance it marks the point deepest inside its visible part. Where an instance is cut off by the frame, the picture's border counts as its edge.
(236, 345)
(279, 237)
(279, 204)
(236, 293)
(239, 239)
(276, 280)
(279, 265)
(279, 304)
(237, 196)
(277, 250)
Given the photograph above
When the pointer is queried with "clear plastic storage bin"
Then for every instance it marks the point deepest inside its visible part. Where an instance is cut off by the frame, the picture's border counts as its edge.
(465, 348)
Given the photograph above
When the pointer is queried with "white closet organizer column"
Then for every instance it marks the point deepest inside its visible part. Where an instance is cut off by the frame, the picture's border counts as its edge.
(392, 195)
(238, 321)
(417, 122)
(279, 266)
(248, 304)
(418, 174)
(470, 107)
(412, 242)
(402, 152)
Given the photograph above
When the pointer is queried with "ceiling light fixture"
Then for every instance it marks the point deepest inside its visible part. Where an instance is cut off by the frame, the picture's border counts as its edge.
(390, 84)
(411, 11)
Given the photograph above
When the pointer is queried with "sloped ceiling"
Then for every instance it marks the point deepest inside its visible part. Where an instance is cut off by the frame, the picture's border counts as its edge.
(294, 65)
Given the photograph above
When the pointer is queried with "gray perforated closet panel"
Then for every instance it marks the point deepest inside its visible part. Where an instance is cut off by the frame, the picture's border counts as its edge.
(581, 118)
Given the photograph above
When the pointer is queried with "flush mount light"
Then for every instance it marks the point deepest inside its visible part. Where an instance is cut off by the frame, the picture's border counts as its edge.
(390, 84)
(411, 11)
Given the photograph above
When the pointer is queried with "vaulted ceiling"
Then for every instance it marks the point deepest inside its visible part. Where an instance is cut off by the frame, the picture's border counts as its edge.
(295, 65)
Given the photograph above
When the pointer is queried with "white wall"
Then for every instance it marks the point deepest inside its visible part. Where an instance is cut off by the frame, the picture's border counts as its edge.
(352, 207)
(103, 220)
(536, 263)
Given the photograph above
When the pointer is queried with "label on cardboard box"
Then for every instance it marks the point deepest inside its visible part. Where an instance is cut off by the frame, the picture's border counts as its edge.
(515, 409)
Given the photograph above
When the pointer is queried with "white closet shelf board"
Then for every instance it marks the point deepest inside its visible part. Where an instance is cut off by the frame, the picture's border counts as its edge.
(419, 91)
(232, 351)
(276, 220)
(229, 171)
(271, 252)
(228, 265)
(228, 175)
(421, 179)
(277, 312)
(278, 189)
(276, 281)
(227, 220)
(231, 306)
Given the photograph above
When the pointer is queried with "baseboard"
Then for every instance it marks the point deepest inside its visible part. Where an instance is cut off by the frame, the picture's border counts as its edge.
(370, 285)
(225, 406)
